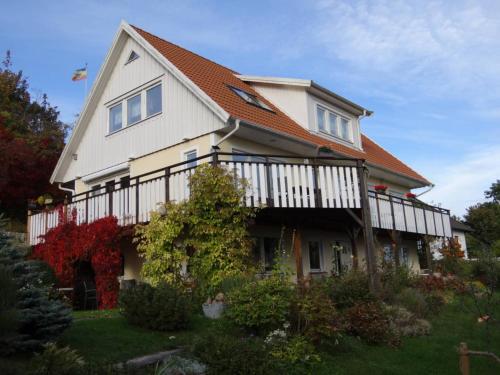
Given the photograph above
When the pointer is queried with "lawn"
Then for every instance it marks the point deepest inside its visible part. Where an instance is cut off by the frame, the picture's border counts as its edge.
(105, 336)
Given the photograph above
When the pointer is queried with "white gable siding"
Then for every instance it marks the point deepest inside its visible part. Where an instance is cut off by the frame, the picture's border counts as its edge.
(183, 116)
(291, 100)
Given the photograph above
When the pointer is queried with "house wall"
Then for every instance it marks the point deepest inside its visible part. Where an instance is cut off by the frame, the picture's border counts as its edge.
(183, 116)
(326, 238)
(292, 100)
(460, 236)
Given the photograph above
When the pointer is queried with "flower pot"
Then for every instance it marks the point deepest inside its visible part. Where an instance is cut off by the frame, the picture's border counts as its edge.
(213, 310)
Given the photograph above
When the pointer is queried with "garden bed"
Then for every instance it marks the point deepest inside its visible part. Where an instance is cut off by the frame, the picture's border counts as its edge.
(105, 336)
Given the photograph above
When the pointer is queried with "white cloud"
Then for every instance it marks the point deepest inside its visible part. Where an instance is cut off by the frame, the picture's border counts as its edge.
(441, 47)
(462, 183)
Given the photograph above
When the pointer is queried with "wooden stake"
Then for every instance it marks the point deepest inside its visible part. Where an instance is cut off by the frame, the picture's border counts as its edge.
(464, 362)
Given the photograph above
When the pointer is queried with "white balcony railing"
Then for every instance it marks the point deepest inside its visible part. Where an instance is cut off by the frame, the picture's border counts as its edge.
(273, 181)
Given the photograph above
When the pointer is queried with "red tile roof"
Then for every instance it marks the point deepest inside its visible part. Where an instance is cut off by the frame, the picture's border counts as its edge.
(214, 79)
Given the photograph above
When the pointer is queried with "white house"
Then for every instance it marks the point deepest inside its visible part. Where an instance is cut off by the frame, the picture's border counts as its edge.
(156, 111)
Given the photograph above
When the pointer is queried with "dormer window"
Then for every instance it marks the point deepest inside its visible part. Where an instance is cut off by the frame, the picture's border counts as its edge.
(133, 56)
(249, 98)
(333, 124)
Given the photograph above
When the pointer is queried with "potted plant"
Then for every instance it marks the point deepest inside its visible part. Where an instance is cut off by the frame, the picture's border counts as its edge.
(213, 309)
(410, 196)
(380, 188)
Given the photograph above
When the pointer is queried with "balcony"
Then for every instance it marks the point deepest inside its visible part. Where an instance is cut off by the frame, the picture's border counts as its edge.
(274, 181)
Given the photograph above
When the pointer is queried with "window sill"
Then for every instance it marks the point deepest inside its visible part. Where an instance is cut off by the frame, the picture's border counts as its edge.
(134, 124)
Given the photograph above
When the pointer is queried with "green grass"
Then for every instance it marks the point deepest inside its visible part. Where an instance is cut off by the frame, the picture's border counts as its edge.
(105, 336)
(433, 354)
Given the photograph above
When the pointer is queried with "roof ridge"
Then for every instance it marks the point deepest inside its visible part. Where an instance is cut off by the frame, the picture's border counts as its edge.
(184, 49)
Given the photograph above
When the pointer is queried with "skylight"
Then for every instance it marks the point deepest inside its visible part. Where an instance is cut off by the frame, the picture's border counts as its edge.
(249, 98)
(133, 55)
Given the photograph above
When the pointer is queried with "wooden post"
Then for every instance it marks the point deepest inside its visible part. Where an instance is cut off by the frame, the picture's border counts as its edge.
(396, 245)
(371, 257)
(354, 249)
(297, 251)
(464, 362)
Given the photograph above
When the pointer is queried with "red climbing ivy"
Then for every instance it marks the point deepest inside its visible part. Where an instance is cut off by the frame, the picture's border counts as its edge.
(97, 243)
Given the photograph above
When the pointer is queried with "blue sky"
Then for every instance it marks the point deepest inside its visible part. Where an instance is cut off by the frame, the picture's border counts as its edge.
(429, 70)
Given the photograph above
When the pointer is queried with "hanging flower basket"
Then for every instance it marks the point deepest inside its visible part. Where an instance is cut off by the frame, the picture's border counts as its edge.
(380, 188)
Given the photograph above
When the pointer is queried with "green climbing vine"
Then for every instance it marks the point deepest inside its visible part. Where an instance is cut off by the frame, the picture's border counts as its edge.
(208, 233)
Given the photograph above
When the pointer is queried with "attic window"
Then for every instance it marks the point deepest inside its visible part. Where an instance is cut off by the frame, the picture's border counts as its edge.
(133, 55)
(250, 99)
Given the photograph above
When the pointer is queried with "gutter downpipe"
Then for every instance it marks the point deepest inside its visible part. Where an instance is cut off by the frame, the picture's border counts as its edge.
(237, 127)
(65, 189)
(431, 186)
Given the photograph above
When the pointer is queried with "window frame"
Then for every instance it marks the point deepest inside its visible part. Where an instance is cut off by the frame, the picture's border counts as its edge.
(250, 98)
(192, 164)
(123, 101)
(128, 100)
(148, 89)
(110, 109)
(327, 125)
(320, 255)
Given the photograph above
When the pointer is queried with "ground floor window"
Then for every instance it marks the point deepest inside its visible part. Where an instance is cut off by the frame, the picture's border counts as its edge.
(315, 256)
(403, 256)
(266, 250)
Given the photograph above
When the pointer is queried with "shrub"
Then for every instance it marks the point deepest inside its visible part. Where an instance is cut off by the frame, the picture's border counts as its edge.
(487, 270)
(39, 317)
(262, 305)
(394, 279)
(293, 355)
(315, 315)
(227, 354)
(54, 360)
(370, 322)
(162, 308)
(435, 302)
(414, 301)
(406, 323)
(350, 288)
(431, 283)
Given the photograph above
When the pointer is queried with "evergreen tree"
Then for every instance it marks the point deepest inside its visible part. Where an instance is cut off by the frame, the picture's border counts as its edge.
(40, 317)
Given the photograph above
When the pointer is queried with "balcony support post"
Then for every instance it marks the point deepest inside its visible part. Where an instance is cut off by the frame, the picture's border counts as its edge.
(267, 168)
(396, 245)
(371, 257)
(297, 252)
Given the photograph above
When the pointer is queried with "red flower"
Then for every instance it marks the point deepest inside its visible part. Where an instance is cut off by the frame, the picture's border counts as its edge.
(410, 195)
(380, 187)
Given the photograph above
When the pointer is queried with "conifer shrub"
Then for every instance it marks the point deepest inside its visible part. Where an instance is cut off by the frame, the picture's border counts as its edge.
(162, 308)
(40, 316)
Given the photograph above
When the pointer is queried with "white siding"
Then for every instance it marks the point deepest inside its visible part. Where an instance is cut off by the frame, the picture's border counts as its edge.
(183, 116)
(291, 100)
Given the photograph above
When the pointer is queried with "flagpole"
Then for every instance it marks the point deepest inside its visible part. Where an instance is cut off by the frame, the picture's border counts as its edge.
(86, 79)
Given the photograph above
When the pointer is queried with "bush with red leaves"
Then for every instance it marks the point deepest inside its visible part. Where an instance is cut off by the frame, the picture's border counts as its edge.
(97, 242)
